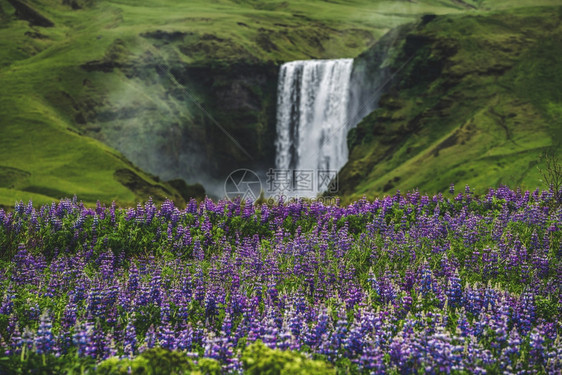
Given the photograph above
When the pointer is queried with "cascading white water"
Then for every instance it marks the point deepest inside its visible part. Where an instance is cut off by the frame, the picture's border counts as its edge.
(312, 115)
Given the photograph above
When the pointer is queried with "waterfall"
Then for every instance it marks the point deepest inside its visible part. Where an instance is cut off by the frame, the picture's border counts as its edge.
(312, 115)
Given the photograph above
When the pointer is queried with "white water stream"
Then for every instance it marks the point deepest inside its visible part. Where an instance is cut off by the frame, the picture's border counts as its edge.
(312, 116)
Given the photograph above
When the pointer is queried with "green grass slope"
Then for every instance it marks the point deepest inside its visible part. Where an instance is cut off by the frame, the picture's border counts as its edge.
(42, 155)
(477, 101)
(43, 159)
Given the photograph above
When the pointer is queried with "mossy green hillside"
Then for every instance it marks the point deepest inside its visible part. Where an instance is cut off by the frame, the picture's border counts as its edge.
(43, 158)
(476, 102)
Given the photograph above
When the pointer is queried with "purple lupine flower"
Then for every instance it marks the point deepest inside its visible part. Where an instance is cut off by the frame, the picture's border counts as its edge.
(354, 341)
(270, 331)
(322, 327)
(526, 312)
(185, 339)
(426, 284)
(372, 359)
(7, 304)
(133, 282)
(109, 347)
(463, 325)
(166, 336)
(471, 299)
(107, 260)
(340, 332)
(16, 342)
(286, 340)
(513, 346)
(63, 342)
(150, 339)
(44, 339)
(130, 341)
(27, 339)
(536, 343)
(96, 305)
(221, 349)
(155, 288)
(84, 341)
(295, 322)
(454, 290)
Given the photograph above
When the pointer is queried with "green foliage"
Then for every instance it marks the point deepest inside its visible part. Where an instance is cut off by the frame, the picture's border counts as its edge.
(548, 308)
(550, 168)
(151, 362)
(115, 365)
(159, 361)
(155, 361)
(208, 366)
(164, 361)
(31, 363)
(258, 359)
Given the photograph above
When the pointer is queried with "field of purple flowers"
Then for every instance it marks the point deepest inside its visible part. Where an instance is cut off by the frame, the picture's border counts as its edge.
(404, 284)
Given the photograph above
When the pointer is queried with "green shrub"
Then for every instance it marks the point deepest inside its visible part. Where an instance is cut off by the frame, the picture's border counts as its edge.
(151, 362)
(159, 361)
(259, 359)
(208, 366)
(31, 363)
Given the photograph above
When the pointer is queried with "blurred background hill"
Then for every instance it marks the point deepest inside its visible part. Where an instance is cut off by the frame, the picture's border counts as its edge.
(120, 100)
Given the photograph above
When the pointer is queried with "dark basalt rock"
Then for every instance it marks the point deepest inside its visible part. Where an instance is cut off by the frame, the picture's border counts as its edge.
(36, 35)
(165, 35)
(101, 66)
(27, 13)
(140, 186)
(75, 5)
(196, 191)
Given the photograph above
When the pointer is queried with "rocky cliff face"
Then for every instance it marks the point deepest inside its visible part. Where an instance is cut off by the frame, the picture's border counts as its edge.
(239, 126)
(372, 73)
(179, 120)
